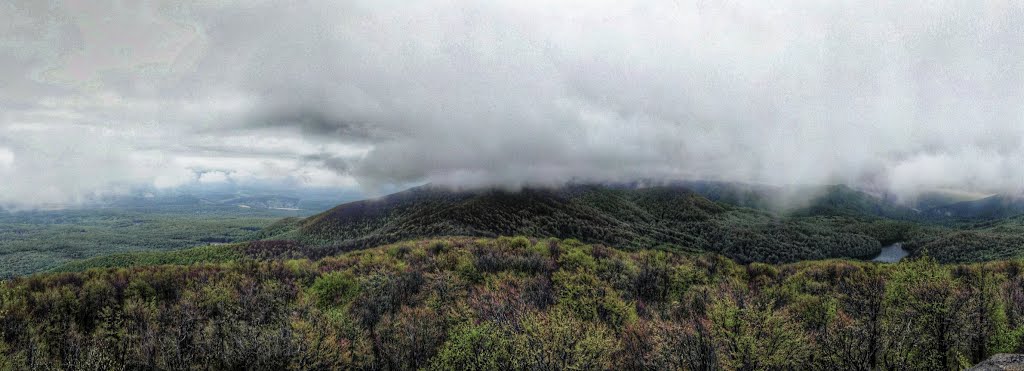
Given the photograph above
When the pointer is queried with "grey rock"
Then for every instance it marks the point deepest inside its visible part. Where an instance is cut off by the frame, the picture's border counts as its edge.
(1001, 362)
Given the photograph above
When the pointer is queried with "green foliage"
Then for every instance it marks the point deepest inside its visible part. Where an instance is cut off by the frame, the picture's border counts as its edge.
(476, 347)
(575, 257)
(560, 341)
(753, 336)
(335, 288)
(512, 303)
(587, 297)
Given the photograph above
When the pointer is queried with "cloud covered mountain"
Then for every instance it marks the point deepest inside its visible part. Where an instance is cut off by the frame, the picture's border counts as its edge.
(103, 96)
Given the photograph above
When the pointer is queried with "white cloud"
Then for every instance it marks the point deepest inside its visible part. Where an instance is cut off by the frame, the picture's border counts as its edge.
(102, 95)
(6, 157)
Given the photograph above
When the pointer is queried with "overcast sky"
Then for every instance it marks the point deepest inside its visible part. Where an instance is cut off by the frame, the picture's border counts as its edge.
(100, 97)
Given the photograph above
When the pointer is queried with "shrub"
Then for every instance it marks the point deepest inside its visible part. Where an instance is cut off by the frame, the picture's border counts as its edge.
(335, 289)
(476, 347)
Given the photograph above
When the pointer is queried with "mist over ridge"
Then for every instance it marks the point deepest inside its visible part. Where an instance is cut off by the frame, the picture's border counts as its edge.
(892, 98)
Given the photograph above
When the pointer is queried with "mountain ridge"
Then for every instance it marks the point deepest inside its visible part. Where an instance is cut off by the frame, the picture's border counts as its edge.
(664, 216)
(992, 207)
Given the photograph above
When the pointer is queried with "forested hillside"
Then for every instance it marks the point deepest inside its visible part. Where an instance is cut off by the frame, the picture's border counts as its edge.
(507, 303)
(669, 217)
(972, 241)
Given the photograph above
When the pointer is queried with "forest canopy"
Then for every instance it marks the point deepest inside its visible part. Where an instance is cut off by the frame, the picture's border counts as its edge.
(464, 303)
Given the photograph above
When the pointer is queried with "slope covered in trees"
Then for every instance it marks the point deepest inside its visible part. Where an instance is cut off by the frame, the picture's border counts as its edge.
(668, 217)
(971, 241)
(509, 303)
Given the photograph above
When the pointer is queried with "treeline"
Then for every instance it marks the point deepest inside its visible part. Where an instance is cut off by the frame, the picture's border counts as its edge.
(512, 303)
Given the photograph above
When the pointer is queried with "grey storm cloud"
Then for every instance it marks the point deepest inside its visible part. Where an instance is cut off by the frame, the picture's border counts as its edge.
(898, 96)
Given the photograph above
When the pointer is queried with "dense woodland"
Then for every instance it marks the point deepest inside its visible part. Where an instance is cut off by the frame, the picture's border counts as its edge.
(507, 303)
(971, 241)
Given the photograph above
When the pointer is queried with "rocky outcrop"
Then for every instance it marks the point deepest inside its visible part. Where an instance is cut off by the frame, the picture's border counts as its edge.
(1001, 362)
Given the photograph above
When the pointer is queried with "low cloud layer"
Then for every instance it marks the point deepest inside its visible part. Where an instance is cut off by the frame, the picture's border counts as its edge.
(100, 97)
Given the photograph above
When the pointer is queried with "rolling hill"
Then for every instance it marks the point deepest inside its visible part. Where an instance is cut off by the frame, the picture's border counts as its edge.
(668, 217)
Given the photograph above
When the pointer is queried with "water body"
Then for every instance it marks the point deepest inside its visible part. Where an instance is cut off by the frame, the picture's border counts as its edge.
(891, 254)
